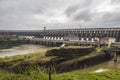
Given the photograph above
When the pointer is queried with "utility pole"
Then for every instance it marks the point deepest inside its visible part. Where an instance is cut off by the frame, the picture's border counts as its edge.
(50, 71)
(49, 75)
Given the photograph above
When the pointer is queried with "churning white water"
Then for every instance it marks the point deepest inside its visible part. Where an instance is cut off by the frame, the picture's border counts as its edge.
(101, 70)
(22, 49)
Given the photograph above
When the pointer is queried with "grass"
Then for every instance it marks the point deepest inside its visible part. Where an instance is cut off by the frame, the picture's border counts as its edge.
(41, 75)
(35, 72)
(77, 47)
(33, 75)
(109, 75)
(31, 58)
(66, 47)
(98, 49)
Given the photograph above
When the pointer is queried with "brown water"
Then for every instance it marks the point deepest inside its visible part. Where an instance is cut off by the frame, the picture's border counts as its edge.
(22, 49)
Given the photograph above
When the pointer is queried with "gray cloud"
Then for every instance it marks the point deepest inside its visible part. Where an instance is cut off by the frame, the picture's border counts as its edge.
(71, 10)
(74, 7)
(84, 15)
(34, 14)
(115, 1)
(112, 18)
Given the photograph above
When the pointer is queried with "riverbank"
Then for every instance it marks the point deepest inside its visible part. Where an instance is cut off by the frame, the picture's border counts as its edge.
(9, 43)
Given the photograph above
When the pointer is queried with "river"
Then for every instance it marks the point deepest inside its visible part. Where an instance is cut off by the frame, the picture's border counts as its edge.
(22, 49)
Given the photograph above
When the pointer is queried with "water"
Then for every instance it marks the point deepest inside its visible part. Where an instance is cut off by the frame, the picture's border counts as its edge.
(22, 49)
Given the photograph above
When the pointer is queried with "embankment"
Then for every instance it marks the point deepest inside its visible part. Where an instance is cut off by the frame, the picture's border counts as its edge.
(59, 60)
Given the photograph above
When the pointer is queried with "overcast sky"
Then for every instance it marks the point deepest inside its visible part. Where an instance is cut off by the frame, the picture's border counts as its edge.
(34, 14)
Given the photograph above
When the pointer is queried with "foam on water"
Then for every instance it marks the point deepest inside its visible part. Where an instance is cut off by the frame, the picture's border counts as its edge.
(100, 70)
(19, 50)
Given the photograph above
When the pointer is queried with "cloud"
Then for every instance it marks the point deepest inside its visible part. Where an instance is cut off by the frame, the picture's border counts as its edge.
(112, 18)
(84, 15)
(115, 1)
(34, 14)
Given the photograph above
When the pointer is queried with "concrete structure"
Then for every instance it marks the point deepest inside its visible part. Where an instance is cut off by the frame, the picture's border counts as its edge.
(88, 34)
(84, 33)
(113, 52)
(107, 41)
(76, 37)
(56, 43)
(26, 37)
(115, 44)
(71, 38)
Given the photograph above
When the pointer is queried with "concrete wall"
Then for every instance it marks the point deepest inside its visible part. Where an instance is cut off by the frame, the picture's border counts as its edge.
(87, 33)
(71, 38)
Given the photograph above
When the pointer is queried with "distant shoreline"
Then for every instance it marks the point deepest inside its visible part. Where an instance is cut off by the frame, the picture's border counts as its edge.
(8, 43)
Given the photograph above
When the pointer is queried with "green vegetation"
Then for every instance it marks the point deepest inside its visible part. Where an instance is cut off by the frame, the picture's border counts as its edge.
(23, 67)
(27, 67)
(41, 75)
(33, 75)
(78, 47)
(9, 42)
(7, 37)
(98, 49)
(109, 75)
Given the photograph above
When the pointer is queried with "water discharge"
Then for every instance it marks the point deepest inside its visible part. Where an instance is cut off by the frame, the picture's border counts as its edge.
(22, 49)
